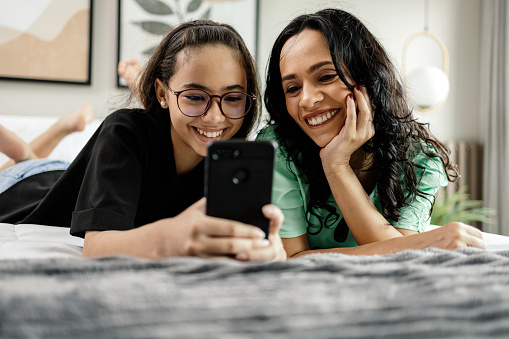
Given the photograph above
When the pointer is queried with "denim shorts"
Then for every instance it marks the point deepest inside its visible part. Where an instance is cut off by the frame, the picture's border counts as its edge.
(22, 170)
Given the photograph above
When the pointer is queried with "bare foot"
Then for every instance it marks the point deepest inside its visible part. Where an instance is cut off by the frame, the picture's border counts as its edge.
(130, 71)
(76, 120)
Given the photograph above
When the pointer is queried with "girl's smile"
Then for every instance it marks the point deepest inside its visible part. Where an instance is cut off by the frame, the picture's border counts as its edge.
(205, 135)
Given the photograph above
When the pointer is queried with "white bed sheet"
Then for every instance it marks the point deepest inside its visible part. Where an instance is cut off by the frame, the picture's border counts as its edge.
(28, 241)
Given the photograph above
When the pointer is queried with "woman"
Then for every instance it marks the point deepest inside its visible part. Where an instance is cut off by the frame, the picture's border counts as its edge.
(135, 188)
(355, 168)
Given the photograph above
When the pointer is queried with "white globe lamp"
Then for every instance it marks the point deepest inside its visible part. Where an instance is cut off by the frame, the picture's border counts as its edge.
(428, 87)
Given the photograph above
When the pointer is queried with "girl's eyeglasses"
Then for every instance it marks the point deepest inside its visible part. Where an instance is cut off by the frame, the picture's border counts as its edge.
(196, 102)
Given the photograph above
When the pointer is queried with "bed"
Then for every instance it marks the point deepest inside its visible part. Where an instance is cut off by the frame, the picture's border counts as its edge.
(47, 290)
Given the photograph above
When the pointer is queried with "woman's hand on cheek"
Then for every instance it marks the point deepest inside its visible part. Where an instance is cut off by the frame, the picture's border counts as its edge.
(273, 249)
(193, 233)
(358, 129)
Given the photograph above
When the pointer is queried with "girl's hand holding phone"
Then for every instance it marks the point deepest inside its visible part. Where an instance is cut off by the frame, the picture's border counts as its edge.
(275, 250)
(193, 233)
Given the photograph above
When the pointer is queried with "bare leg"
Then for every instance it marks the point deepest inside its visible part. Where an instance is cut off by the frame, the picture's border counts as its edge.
(15, 148)
(43, 145)
(130, 70)
(74, 121)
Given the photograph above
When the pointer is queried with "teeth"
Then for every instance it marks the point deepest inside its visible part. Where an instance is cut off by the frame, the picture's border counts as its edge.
(321, 119)
(210, 134)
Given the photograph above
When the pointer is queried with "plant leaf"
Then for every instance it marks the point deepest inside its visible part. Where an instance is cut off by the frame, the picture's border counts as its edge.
(153, 27)
(155, 7)
(458, 207)
(193, 5)
(149, 51)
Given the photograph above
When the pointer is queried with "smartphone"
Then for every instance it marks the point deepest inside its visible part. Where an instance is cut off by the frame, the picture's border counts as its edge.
(238, 180)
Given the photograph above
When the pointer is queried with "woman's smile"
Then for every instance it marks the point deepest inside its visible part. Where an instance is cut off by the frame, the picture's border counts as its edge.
(321, 118)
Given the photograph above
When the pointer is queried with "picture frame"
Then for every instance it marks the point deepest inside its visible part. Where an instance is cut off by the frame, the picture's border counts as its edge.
(46, 41)
(143, 23)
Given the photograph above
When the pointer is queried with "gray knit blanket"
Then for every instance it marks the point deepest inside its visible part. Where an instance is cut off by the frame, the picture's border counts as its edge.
(413, 294)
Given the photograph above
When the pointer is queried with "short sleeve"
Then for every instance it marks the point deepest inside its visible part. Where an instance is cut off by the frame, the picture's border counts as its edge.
(416, 216)
(287, 193)
(110, 190)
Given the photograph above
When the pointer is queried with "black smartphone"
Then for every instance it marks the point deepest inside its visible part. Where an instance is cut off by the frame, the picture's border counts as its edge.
(238, 180)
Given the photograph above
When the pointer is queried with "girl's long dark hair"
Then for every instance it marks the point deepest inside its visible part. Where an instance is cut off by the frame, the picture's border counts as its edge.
(398, 135)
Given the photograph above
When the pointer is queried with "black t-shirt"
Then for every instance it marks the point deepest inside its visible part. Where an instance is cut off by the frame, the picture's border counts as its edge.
(124, 177)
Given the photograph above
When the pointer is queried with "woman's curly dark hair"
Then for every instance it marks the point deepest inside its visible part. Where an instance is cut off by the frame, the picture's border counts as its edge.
(356, 52)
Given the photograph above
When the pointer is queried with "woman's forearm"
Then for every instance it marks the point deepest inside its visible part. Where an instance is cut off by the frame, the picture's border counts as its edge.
(389, 246)
(451, 236)
(363, 219)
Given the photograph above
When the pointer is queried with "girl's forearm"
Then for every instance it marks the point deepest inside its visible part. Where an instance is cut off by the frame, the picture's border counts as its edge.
(140, 242)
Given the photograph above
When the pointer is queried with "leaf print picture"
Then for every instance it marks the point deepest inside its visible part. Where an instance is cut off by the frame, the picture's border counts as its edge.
(142, 23)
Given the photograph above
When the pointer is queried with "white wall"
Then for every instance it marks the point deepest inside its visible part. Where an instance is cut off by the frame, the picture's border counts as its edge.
(50, 99)
(456, 22)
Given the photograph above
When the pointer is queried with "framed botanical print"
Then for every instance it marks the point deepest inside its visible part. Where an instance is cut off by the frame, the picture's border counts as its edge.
(46, 40)
(142, 23)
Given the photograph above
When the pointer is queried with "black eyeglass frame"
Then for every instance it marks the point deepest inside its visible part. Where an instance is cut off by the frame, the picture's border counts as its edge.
(252, 97)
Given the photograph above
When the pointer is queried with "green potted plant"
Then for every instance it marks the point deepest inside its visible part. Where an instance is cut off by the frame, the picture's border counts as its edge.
(459, 207)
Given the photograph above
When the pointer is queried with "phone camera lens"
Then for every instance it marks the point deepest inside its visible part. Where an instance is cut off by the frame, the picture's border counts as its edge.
(240, 176)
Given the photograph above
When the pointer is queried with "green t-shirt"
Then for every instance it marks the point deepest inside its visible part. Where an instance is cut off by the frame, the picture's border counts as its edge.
(291, 194)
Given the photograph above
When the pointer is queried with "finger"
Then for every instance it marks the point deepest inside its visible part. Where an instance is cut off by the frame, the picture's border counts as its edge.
(229, 246)
(363, 104)
(476, 242)
(276, 217)
(366, 112)
(266, 253)
(351, 116)
(218, 227)
(473, 231)
(475, 237)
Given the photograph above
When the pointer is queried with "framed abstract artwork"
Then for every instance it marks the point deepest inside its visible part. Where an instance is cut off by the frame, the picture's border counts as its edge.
(142, 23)
(46, 40)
